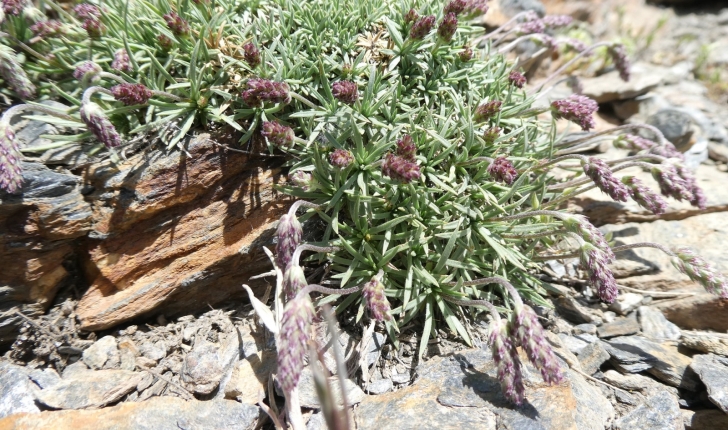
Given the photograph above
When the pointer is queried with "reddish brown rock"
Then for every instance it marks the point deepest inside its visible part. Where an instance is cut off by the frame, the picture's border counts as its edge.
(176, 232)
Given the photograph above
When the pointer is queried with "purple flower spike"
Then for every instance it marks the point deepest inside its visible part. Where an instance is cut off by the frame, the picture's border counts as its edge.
(345, 92)
(448, 26)
(400, 169)
(490, 135)
(179, 26)
(97, 122)
(455, 7)
(87, 11)
(698, 199)
(341, 158)
(251, 55)
(517, 79)
(530, 335)
(557, 21)
(294, 280)
(508, 365)
(487, 110)
(132, 94)
(292, 341)
(11, 173)
(14, 75)
(619, 57)
(406, 148)
(700, 271)
(600, 276)
(88, 72)
(12, 7)
(475, 8)
(644, 196)
(411, 16)
(466, 54)
(667, 150)
(278, 134)
(121, 61)
(422, 27)
(581, 226)
(605, 180)
(671, 184)
(532, 27)
(302, 180)
(376, 301)
(263, 90)
(575, 45)
(289, 234)
(633, 142)
(45, 29)
(165, 42)
(502, 170)
(576, 108)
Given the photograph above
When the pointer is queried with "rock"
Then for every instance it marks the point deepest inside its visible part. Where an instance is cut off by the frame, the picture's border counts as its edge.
(570, 309)
(573, 344)
(317, 422)
(128, 354)
(715, 343)
(380, 386)
(637, 383)
(92, 389)
(401, 378)
(375, 347)
(585, 328)
(174, 233)
(41, 222)
(708, 419)
(588, 338)
(250, 375)
(461, 391)
(501, 11)
(627, 359)
(17, 393)
(154, 350)
(655, 326)
(592, 357)
(103, 354)
(714, 375)
(702, 311)
(659, 412)
(202, 369)
(309, 398)
(74, 369)
(626, 302)
(619, 327)
(610, 87)
(675, 125)
(163, 413)
(44, 378)
(664, 361)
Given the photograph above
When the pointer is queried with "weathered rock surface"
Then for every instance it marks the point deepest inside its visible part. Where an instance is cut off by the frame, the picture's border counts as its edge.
(609, 87)
(174, 233)
(160, 413)
(17, 393)
(655, 326)
(102, 354)
(461, 391)
(91, 389)
(309, 398)
(706, 419)
(592, 357)
(250, 376)
(715, 343)
(714, 375)
(659, 412)
(619, 327)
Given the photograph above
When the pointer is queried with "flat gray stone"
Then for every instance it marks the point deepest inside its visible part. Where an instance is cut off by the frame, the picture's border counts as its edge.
(619, 327)
(706, 419)
(655, 326)
(44, 378)
(309, 398)
(626, 302)
(380, 386)
(675, 125)
(588, 338)
(103, 354)
(585, 329)
(714, 375)
(592, 357)
(610, 87)
(91, 389)
(709, 342)
(573, 344)
(17, 393)
(573, 311)
(154, 350)
(659, 412)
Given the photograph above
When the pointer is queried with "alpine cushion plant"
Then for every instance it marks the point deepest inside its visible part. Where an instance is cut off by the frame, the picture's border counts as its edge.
(429, 169)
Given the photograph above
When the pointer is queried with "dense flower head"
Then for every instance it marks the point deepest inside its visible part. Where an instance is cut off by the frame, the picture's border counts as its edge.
(88, 72)
(508, 364)
(644, 196)
(583, 228)
(292, 341)
(633, 142)
(671, 183)
(572, 44)
(51, 28)
(698, 198)
(605, 180)
(288, 234)
(400, 169)
(448, 26)
(557, 21)
(531, 27)
(264, 90)
(576, 108)
(97, 122)
(345, 91)
(11, 173)
(530, 335)
(490, 135)
(487, 110)
(406, 147)
(422, 27)
(132, 94)
(94, 27)
(251, 55)
(165, 42)
(87, 11)
(301, 179)
(466, 54)
(475, 8)
(13, 7)
(278, 134)
(620, 60)
(341, 158)
(294, 280)
(411, 16)
(179, 26)
(121, 61)
(455, 7)
(502, 170)
(376, 301)
(667, 150)
(700, 271)
(14, 75)
(600, 276)
(517, 79)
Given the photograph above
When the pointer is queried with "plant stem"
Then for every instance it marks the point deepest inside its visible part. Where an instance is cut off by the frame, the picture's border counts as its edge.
(568, 64)
(654, 130)
(325, 290)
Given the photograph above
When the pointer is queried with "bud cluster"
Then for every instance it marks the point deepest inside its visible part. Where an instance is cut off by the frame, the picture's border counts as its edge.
(619, 57)
(448, 26)
(289, 234)
(345, 91)
(487, 110)
(179, 26)
(406, 148)
(411, 16)
(600, 276)
(292, 341)
(400, 169)
(121, 61)
(466, 54)
(633, 142)
(251, 55)
(422, 27)
(278, 134)
(132, 94)
(644, 196)
(98, 123)
(341, 158)
(576, 108)
(490, 135)
(301, 179)
(605, 179)
(508, 365)
(13, 7)
(502, 170)
(263, 90)
(532, 27)
(557, 21)
(91, 16)
(517, 79)
(44, 29)
(11, 174)
(14, 75)
(699, 270)
(530, 335)
(376, 301)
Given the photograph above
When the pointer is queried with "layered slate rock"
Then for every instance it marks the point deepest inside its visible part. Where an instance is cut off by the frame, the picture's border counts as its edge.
(177, 232)
(462, 391)
(713, 371)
